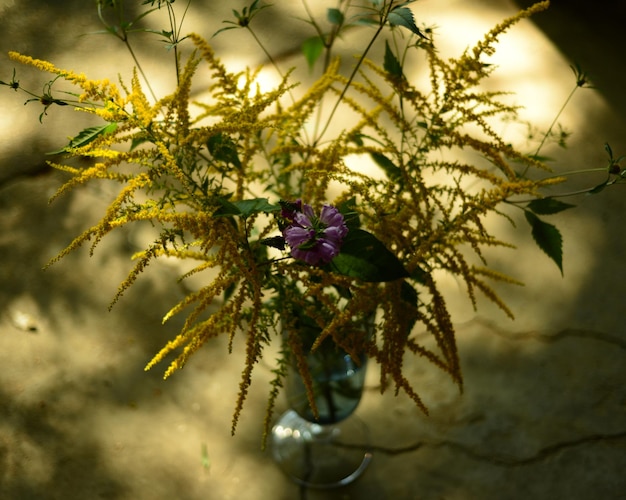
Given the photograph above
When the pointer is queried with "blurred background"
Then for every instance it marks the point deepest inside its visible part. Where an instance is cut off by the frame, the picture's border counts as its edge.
(543, 411)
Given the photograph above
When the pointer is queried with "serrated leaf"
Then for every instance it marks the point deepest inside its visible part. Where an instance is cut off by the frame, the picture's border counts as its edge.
(391, 64)
(548, 206)
(335, 16)
(547, 237)
(312, 49)
(86, 136)
(365, 257)
(402, 16)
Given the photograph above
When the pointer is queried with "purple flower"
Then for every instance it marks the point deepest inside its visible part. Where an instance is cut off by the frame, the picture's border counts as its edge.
(313, 239)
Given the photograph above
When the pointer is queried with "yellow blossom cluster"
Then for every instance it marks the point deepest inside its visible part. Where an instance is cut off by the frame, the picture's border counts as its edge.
(193, 169)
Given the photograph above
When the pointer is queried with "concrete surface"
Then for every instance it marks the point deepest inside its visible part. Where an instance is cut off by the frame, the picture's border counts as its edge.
(543, 414)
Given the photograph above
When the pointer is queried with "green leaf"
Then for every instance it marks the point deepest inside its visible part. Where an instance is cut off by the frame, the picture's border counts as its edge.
(312, 49)
(256, 205)
(391, 64)
(419, 275)
(138, 141)
(86, 136)
(223, 148)
(600, 187)
(350, 213)
(391, 170)
(243, 18)
(335, 16)
(274, 242)
(357, 138)
(227, 209)
(229, 290)
(547, 237)
(245, 208)
(225, 29)
(365, 257)
(548, 206)
(402, 16)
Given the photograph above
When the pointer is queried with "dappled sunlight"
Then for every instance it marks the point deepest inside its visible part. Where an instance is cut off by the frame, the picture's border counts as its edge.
(530, 67)
(79, 416)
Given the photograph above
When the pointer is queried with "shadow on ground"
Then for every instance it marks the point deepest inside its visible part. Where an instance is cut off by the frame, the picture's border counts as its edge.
(79, 418)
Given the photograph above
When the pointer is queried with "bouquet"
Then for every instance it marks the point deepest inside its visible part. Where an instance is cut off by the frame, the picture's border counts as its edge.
(315, 206)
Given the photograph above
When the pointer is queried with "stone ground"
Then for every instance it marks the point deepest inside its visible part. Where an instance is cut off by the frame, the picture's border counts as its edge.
(543, 414)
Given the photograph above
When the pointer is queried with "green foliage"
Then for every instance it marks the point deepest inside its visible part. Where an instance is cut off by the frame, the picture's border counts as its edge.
(392, 171)
(547, 237)
(223, 149)
(86, 136)
(245, 208)
(214, 175)
(244, 17)
(391, 64)
(13, 83)
(335, 16)
(363, 256)
(312, 48)
(548, 206)
(403, 16)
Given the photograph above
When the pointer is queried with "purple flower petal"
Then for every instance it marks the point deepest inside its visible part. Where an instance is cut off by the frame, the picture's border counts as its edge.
(309, 256)
(311, 239)
(327, 251)
(296, 236)
(308, 211)
(302, 220)
(335, 234)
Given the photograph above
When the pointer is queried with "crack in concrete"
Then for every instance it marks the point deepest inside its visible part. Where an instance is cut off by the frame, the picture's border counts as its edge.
(553, 337)
(503, 460)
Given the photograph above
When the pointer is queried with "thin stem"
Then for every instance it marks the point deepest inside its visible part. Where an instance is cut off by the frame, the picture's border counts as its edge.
(320, 33)
(564, 195)
(121, 33)
(273, 62)
(328, 44)
(172, 17)
(353, 75)
(139, 68)
(576, 172)
(266, 52)
(176, 29)
(549, 131)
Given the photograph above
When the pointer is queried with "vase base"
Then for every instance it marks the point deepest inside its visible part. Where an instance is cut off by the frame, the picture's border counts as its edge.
(320, 456)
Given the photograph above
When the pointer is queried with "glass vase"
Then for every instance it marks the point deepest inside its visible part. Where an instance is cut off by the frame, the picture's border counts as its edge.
(330, 450)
